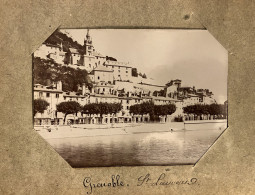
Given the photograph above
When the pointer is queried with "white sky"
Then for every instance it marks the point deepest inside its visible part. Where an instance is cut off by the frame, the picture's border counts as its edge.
(194, 56)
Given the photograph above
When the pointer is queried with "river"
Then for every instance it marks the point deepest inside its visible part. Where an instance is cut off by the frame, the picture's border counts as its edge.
(137, 146)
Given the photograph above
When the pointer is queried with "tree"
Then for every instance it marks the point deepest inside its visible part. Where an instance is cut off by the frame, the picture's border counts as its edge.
(212, 109)
(135, 109)
(153, 110)
(147, 108)
(161, 110)
(39, 106)
(102, 108)
(70, 107)
(111, 58)
(134, 72)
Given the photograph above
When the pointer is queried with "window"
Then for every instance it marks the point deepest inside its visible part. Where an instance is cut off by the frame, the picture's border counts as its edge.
(127, 107)
(98, 78)
(103, 89)
(126, 71)
(90, 65)
(57, 95)
(40, 94)
(127, 101)
(64, 98)
(47, 94)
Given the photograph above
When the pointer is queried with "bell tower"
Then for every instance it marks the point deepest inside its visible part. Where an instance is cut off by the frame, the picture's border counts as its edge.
(88, 44)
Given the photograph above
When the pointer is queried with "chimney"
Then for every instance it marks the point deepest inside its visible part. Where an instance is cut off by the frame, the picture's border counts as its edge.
(59, 85)
(48, 82)
(83, 89)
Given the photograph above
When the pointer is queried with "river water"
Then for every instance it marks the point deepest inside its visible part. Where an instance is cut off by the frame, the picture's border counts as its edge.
(137, 147)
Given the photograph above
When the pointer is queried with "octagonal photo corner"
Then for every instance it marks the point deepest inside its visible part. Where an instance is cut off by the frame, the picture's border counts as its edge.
(130, 97)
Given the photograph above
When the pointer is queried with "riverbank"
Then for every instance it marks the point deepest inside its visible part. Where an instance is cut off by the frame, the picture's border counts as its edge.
(90, 130)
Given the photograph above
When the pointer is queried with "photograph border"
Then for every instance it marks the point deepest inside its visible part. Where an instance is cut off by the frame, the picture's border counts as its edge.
(30, 165)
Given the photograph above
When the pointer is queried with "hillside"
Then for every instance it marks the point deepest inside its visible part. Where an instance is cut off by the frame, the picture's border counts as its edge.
(47, 71)
(58, 37)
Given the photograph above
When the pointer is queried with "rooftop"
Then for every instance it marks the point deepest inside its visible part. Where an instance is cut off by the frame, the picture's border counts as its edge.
(116, 63)
(73, 50)
(102, 68)
(43, 88)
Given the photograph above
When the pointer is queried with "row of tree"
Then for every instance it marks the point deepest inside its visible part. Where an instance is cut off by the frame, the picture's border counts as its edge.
(153, 110)
(73, 107)
(135, 73)
(212, 109)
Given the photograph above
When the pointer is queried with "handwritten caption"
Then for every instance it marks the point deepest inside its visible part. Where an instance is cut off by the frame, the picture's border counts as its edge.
(115, 181)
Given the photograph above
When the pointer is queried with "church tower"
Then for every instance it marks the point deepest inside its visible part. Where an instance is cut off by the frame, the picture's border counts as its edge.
(88, 44)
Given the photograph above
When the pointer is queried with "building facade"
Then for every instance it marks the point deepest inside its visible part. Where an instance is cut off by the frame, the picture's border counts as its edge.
(112, 83)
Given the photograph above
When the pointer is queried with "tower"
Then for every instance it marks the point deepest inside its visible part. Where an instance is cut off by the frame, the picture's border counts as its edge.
(88, 44)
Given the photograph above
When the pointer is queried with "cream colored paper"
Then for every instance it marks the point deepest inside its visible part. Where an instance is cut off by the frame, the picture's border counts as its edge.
(30, 166)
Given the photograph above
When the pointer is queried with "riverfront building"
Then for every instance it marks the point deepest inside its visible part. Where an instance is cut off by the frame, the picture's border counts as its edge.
(112, 83)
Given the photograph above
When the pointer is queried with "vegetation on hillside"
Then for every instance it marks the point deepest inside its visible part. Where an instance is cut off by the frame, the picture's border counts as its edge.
(59, 37)
(48, 71)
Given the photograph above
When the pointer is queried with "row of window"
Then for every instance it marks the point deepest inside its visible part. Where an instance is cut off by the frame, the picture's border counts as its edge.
(115, 66)
(48, 95)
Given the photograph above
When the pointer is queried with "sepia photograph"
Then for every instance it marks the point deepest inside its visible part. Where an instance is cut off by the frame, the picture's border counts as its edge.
(130, 97)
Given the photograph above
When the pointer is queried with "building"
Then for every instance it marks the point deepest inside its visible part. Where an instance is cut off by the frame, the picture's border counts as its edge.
(101, 73)
(121, 71)
(53, 95)
(112, 83)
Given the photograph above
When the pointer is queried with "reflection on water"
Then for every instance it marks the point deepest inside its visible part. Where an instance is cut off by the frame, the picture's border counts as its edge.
(156, 148)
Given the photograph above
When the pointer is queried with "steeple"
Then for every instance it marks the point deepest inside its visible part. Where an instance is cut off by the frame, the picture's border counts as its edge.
(88, 44)
(88, 36)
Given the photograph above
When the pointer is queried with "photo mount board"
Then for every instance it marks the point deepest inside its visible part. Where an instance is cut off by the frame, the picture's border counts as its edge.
(30, 165)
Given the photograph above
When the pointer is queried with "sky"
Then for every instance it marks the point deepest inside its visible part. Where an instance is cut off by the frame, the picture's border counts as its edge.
(194, 56)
